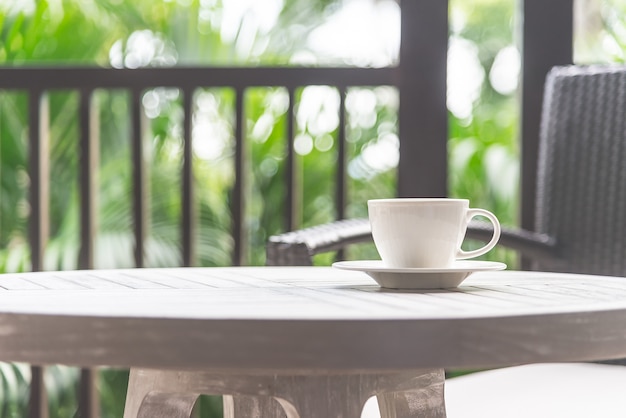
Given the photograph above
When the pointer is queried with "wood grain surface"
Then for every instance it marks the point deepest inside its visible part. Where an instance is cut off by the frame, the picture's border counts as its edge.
(287, 319)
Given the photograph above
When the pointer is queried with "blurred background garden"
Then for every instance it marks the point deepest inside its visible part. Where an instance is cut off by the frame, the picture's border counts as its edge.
(483, 103)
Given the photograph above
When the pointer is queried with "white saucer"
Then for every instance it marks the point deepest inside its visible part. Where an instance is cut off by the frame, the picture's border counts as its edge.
(419, 278)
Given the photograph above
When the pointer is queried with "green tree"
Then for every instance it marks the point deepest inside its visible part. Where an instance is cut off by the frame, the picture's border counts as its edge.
(483, 159)
(130, 34)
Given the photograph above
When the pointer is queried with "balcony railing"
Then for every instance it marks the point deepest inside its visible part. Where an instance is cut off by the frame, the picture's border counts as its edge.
(38, 82)
(420, 78)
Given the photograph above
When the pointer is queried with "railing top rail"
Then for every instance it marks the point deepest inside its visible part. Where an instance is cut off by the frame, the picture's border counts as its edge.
(44, 78)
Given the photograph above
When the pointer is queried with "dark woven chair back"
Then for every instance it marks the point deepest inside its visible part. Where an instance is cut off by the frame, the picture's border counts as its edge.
(581, 189)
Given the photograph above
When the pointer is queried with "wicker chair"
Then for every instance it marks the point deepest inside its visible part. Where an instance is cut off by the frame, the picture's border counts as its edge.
(581, 193)
(580, 228)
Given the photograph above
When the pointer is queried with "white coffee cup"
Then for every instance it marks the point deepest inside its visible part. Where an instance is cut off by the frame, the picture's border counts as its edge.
(425, 232)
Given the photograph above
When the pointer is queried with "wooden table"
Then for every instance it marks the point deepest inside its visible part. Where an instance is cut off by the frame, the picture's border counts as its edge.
(318, 339)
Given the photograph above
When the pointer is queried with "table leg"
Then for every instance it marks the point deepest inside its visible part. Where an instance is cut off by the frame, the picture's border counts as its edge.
(420, 396)
(177, 392)
(424, 402)
(412, 394)
(146, 390)
(325, 396)
(252, 406)
(167, 405)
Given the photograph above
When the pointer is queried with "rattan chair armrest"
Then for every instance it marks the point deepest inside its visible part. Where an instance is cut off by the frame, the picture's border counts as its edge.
(532, 245)
(298, 247)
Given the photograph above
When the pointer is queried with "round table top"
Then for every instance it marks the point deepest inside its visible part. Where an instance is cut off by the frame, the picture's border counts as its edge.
(305, 318)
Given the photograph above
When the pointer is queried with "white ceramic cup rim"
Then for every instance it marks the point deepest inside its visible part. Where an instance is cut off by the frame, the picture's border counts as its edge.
(413, 200)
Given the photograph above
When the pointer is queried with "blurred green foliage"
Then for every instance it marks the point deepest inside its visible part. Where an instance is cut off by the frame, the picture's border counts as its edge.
(483, 148)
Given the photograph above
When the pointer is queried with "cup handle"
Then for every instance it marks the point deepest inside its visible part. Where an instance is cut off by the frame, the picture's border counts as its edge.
(463, 255)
